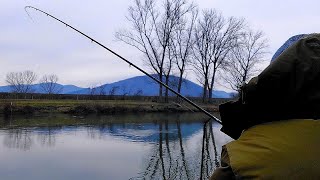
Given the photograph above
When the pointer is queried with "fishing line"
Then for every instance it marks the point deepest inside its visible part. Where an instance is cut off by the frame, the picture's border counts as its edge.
(127, 61)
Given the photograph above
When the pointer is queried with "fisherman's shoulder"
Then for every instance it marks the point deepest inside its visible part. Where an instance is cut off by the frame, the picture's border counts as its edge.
(277, 149)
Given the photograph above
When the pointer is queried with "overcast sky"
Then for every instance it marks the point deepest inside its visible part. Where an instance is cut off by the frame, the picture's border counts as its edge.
(46, 47)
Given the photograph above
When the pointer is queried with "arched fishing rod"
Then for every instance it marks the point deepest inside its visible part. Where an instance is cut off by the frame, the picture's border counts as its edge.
(127, 61)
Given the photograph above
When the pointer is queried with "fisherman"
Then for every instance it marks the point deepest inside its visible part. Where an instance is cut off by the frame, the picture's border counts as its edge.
(275, 120)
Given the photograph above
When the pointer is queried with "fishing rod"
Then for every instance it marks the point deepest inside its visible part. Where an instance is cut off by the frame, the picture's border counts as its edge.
(127, 61)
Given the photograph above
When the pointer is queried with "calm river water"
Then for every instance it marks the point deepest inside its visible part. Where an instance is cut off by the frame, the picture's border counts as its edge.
(139, 146)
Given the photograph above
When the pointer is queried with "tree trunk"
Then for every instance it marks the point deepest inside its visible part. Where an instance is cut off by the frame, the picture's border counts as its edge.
(180, 82)
(179, 86)
(211, 85)
(166, 90)
(160, 86)
(204, 95)
(210, 94)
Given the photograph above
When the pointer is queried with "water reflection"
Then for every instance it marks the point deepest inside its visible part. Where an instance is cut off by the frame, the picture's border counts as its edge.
(170, 146)
(170, 160)
(47, 137)
(210, 158)
(18, 138)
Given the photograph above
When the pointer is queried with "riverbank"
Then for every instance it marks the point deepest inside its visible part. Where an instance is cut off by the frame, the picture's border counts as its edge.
(84, 107)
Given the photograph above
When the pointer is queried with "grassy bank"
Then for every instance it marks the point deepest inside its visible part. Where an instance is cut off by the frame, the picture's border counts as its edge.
(59, 120)
(93, 106)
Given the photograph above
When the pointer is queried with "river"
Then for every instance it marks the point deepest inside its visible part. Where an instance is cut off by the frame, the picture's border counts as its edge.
(112, 147)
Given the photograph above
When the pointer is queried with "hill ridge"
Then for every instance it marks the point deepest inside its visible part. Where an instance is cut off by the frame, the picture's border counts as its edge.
(138, 85)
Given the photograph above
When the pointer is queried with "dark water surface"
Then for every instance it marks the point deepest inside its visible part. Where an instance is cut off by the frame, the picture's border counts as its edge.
(139, 146)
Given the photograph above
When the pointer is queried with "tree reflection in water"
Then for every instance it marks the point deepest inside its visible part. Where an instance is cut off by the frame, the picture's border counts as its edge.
(22, 138)
(46, 136)
(18, 138)
(168, 159)
(207, 162)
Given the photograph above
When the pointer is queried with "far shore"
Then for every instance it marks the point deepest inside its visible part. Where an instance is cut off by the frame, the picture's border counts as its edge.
(83, 107)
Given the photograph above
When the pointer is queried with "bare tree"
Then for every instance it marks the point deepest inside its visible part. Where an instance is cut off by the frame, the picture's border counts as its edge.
(99, 89)
(203, 37)
(244, 57)
(125, 91)
(48, 84)
(167, 72)
(181, 43)
(102, 90)
(92, 91)
(21, 82)
(214, 38)
(152, 30)
(113, 90)
(139, 92)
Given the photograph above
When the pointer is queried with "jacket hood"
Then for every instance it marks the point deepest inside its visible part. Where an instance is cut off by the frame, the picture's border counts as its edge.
(287, 44)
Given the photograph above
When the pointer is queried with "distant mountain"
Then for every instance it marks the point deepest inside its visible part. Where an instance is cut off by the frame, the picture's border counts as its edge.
(139, 85)
(5, 89)
(66, 89)
(143, 85)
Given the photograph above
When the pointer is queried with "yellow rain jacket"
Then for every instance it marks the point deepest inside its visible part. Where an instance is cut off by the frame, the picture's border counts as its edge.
(278, 150)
